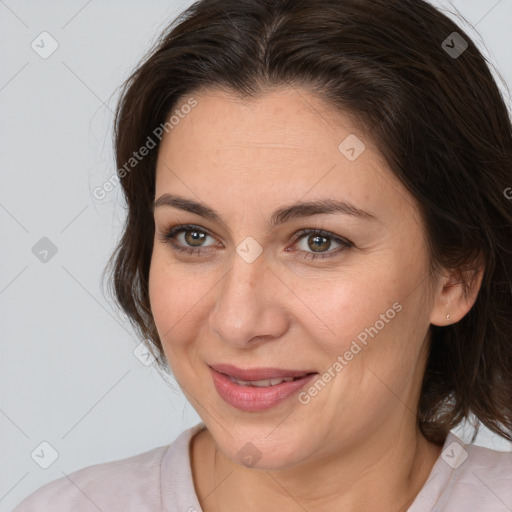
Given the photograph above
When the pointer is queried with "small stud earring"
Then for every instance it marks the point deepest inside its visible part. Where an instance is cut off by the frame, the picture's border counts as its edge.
(448, 316)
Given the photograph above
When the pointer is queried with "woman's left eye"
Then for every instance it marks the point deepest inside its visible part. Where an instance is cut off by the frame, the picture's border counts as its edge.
(315, 239)
(319, 239)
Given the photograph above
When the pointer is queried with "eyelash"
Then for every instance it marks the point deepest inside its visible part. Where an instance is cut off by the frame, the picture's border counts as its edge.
(169, 235)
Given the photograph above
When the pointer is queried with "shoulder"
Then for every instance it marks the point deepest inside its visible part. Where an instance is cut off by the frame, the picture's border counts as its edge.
(132, 483)
(488, 473)
(470, 477)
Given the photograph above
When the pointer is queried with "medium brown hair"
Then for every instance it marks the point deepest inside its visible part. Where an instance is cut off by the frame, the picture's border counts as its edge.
(437, 118)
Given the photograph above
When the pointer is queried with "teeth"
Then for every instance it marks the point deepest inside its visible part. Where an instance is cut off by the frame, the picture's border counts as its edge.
(261, 383)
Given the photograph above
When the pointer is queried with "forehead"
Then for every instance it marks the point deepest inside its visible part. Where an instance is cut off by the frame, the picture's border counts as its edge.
(280, 118)
(285, 144)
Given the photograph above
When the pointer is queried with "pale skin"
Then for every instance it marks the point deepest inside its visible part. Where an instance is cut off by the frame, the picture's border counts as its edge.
(355, 446)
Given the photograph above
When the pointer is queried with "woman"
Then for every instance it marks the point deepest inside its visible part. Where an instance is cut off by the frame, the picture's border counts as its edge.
(319, 248)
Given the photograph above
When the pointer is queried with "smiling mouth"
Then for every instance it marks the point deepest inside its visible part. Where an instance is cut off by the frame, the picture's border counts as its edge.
(259, 394)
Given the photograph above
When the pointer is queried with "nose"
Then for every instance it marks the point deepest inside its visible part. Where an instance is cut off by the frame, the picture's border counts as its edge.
(250, 305)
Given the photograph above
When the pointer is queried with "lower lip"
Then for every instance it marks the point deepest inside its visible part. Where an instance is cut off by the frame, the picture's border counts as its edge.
(251, 398)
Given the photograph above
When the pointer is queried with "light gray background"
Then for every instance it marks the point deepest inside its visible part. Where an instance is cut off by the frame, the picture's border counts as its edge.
(68, 373)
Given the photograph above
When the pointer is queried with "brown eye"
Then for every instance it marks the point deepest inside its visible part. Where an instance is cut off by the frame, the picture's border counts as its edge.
(194, 238)
(319, 241)
(192, 242)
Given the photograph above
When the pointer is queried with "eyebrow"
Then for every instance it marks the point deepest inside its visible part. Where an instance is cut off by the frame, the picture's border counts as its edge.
(279, 216)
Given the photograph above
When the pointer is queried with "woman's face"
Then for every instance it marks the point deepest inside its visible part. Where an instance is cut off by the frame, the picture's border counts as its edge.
(251, 295)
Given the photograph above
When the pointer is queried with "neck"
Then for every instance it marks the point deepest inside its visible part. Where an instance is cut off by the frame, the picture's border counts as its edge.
(384, 472)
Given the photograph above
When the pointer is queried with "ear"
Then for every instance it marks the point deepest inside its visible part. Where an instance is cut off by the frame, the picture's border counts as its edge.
(449, 295)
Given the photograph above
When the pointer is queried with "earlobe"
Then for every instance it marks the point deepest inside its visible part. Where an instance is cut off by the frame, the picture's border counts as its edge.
(452, 302)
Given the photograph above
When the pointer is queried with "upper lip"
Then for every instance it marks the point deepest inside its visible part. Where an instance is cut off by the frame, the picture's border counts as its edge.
(258, 373)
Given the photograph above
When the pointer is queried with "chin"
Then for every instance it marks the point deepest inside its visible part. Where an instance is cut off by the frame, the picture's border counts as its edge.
(253, 448)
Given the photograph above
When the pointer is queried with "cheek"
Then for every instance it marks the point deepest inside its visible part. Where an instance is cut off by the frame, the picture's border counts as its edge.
(172, 299)
(347, 307)
(380, 324)
(372, 325)
(175, 298)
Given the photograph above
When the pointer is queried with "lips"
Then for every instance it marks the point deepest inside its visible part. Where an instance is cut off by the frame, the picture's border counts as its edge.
(265, 394)
(259, 373)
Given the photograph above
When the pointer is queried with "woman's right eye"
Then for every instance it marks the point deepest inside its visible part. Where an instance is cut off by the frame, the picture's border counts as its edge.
(192, 234)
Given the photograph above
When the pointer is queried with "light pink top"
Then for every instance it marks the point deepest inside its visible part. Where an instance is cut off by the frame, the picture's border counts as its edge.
(465, 478)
